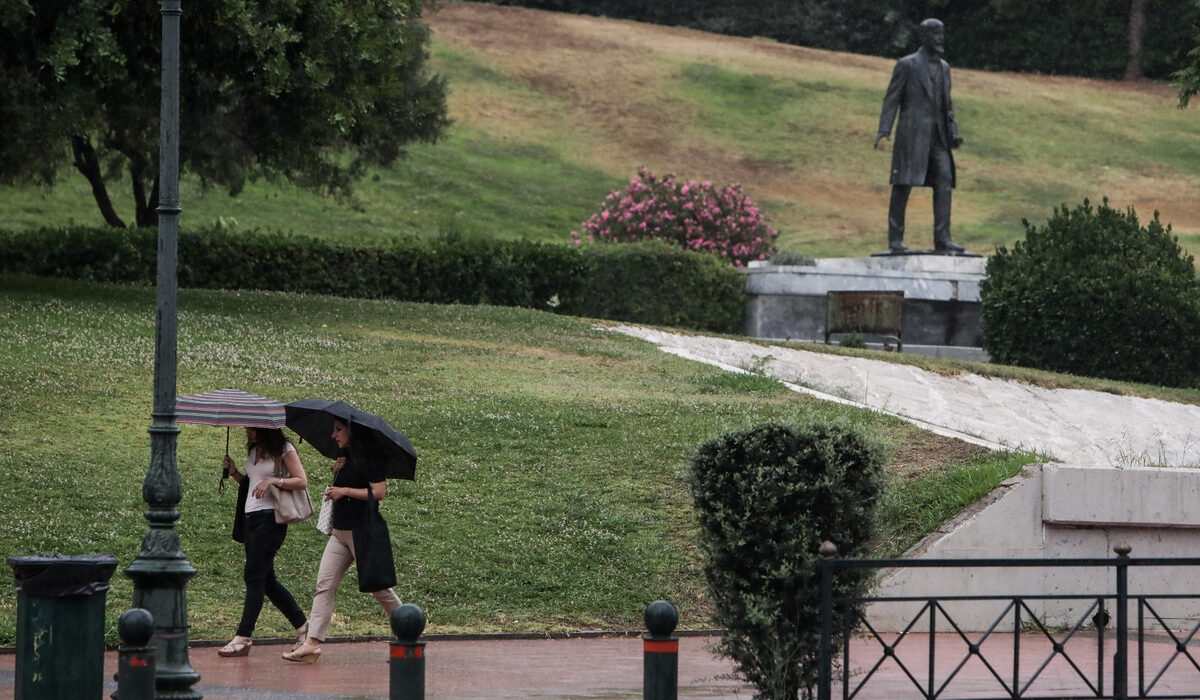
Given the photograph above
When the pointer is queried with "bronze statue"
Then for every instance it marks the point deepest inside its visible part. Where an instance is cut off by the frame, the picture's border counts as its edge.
(925, 135)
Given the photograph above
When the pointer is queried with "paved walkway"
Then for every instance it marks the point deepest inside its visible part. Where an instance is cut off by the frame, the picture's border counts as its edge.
(611, 668)
(546, 669)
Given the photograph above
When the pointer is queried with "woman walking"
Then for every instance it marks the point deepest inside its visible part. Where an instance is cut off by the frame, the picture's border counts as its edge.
(262, 536)
(349, 494)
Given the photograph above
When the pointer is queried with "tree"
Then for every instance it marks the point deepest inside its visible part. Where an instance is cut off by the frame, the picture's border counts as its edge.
(1137, 30)
(312, 91)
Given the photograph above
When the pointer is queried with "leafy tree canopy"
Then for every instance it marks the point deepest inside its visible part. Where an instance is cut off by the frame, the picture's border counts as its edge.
(1187, 78)
(313, 91)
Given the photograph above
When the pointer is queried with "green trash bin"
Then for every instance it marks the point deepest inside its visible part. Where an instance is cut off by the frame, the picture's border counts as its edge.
(60, 625)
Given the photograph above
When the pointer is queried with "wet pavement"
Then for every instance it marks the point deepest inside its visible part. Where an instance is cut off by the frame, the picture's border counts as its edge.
(455, 669)
(611, 668)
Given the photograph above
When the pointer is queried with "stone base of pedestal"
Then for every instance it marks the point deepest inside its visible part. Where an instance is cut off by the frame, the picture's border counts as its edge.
(940, 309)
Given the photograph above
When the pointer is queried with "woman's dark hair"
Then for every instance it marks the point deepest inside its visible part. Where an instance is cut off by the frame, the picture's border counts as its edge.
(363, 446)
(271, 440)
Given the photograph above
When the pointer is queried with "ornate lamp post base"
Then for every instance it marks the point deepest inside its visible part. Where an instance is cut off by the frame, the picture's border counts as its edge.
(160, 573)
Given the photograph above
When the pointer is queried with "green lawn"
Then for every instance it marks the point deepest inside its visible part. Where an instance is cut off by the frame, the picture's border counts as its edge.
(548, 492)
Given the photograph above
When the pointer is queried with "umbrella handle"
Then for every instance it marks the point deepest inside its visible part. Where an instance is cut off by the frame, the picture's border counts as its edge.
(224, 471)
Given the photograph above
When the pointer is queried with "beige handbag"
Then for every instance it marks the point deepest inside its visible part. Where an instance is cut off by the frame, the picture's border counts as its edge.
(290, 506)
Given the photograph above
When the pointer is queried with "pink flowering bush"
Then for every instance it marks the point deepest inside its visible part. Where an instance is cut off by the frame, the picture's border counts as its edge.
(693, 215)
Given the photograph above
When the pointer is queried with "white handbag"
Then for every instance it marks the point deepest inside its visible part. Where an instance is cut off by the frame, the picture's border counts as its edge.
(325, 517)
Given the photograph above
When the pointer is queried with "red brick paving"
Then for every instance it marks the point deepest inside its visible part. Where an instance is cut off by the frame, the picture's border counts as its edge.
(611, 667)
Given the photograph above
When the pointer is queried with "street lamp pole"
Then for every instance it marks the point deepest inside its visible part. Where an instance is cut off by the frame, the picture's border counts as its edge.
(160, 571)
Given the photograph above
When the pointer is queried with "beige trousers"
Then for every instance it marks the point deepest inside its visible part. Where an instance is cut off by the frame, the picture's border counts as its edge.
(335, 562)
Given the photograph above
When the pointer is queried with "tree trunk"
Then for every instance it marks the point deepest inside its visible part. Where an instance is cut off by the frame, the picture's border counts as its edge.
(154, 199)
(145, 211)
(88, 165)
(1137, 30)
(146, 206)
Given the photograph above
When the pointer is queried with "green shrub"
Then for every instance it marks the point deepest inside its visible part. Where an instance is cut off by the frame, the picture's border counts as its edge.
(791, 257)
(852, 340)
(1094, 293)
(101, 254)
(766, 499)
(654, 282)
(656, 285)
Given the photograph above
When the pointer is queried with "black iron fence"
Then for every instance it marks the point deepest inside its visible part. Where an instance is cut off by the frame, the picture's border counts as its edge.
(1086, 649)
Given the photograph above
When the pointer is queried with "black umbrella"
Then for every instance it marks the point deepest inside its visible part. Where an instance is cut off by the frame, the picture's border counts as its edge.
(312, 419)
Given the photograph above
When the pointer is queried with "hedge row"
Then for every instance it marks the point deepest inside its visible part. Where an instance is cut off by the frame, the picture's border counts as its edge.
(638, 283)
(1084, 37)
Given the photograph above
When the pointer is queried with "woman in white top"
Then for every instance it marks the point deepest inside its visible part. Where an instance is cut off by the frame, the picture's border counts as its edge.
(260, 533)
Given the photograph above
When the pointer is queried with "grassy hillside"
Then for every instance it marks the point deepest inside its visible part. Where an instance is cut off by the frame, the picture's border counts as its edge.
(553, 111)
(548, 493)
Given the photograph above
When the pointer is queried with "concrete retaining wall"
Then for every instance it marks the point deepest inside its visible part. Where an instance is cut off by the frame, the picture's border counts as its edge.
(1056, 511)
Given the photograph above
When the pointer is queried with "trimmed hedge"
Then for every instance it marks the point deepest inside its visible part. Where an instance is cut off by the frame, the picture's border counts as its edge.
(661, 284)
(652, 284)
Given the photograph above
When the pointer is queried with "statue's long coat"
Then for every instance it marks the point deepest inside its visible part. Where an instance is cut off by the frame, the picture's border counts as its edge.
(921, 118)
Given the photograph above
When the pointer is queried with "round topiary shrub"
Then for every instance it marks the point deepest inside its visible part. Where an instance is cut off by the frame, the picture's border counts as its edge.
(766, 499)
(693, 215)
(1093, 293)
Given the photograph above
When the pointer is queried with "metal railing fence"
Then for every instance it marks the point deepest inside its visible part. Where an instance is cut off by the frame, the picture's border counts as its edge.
(1016, 678)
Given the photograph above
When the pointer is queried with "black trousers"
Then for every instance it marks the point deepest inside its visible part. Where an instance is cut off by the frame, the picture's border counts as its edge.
(264, 537)
(939, 176)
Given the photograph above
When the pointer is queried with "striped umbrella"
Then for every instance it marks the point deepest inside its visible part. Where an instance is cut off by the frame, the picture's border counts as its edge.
(229, 407)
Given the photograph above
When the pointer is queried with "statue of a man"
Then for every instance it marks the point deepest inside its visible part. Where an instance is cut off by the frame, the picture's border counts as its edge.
(925, 135)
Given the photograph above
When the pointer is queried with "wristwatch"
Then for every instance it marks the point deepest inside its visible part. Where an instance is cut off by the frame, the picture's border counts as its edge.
(280, 482)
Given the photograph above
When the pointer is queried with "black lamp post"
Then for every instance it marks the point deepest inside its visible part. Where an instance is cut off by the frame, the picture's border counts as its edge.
(160, 571)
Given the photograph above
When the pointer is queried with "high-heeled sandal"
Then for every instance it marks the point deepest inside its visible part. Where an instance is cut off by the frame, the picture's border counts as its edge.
(238, 646)
(305, 653)
(301, 636)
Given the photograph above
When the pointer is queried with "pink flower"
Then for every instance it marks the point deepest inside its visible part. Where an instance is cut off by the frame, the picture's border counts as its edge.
(696, 216)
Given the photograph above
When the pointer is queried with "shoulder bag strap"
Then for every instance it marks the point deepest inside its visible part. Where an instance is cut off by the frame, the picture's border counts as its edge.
(281, 470)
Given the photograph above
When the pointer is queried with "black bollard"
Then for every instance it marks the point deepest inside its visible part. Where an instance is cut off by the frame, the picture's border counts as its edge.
(135, 660)
(660, 675)
(407, 654)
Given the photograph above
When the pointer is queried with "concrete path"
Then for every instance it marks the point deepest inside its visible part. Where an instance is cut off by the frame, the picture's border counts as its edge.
(1065, 425)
